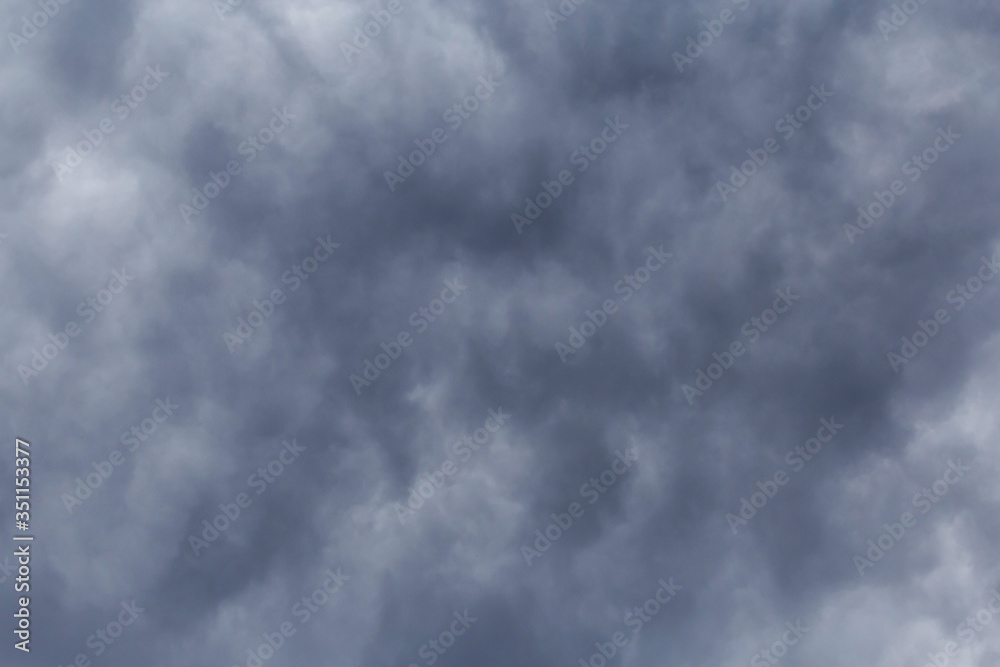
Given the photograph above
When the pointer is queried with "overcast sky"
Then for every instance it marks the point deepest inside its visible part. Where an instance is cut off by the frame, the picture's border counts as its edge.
(702, 292)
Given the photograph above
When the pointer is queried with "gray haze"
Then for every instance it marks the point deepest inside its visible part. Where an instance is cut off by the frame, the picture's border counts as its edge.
(329, 119)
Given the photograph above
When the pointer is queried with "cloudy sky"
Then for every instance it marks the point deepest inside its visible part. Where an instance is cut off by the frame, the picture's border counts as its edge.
(502, 333)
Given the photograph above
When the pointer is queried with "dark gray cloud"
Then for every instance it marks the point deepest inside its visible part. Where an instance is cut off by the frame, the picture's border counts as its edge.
(244, 255)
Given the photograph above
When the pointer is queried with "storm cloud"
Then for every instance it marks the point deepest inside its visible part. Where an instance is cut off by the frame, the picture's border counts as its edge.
(503, 333)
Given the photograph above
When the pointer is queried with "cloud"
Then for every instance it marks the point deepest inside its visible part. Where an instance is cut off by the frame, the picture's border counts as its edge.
(665, 184)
